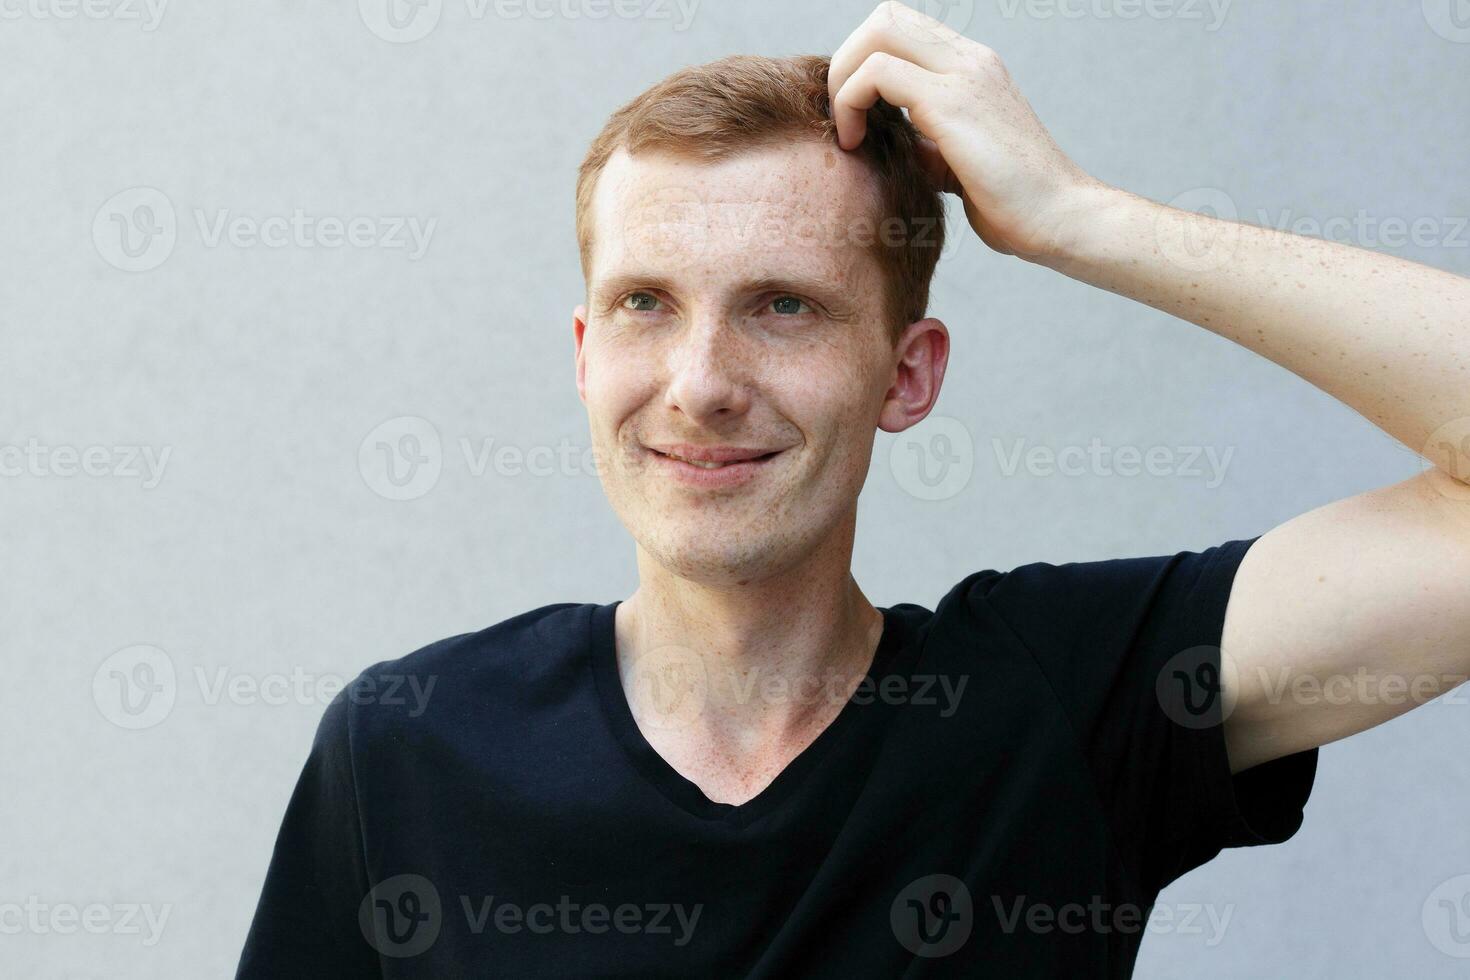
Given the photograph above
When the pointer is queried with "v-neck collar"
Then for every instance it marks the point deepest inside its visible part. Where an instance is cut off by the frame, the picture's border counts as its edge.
(683, 792)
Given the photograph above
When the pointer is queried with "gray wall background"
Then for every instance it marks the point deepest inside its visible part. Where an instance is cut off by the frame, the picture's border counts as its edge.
(269, 555)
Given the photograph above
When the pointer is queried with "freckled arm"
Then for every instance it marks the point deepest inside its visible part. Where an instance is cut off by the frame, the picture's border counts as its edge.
(1387, 337)
(1367, 596)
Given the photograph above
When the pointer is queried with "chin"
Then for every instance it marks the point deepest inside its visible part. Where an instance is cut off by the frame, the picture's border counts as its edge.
(732, 560)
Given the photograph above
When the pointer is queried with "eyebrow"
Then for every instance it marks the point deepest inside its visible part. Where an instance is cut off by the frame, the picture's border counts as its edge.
(616, 285)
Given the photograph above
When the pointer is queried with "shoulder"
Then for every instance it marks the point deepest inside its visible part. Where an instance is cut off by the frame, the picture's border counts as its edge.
(528, 638)
(469, 672)
(1101, 592)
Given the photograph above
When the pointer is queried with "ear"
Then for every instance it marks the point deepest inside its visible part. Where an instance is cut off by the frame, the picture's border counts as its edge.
(922, 353)
(579, 329)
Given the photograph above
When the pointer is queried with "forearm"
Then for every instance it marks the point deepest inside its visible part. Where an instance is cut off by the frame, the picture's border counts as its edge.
(1388, 337)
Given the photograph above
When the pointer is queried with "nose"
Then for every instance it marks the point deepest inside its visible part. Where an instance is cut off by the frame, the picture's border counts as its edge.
(708, 380)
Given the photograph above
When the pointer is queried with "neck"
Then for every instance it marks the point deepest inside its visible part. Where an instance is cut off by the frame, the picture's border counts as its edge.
(758, 662)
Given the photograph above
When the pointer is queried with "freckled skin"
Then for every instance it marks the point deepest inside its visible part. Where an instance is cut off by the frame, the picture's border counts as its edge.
(738, 303)
(716, 365)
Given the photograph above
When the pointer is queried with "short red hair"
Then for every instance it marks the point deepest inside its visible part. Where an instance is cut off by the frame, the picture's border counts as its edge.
(719, 109)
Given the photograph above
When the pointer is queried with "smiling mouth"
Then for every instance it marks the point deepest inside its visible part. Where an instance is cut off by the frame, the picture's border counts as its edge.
(712, 465)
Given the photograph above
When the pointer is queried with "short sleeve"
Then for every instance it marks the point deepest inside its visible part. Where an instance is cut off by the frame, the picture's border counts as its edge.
(306, 922)
(1131, 648)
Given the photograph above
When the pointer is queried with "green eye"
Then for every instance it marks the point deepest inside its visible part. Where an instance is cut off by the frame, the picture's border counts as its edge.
(789, 306)
(643, 302)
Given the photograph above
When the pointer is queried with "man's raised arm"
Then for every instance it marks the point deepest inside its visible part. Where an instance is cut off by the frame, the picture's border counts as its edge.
(1345, 616)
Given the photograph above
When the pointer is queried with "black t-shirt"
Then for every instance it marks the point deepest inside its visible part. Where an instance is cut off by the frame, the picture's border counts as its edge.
(1021, 772)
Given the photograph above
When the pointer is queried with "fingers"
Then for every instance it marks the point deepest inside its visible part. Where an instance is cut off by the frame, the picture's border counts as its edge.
(903, 32)
(881, 75)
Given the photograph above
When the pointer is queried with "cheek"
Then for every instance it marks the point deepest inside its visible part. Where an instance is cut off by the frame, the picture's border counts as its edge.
(835, 422)
(850, 405)
(615, 379)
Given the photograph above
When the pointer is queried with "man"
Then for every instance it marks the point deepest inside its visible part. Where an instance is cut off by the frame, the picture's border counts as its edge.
(747, 770)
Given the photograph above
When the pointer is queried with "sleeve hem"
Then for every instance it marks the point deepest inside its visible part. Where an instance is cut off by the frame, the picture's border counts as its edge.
(1263, 804)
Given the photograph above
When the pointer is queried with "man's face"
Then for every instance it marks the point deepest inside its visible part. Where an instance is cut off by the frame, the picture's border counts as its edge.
(734, 304)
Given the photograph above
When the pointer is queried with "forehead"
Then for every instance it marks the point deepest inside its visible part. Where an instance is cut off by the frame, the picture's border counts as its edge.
(802, 208)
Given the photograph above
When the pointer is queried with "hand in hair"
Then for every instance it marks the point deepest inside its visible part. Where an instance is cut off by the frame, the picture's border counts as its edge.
(983, 142)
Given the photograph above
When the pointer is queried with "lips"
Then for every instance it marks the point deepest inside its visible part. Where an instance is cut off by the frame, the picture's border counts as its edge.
(714, 457)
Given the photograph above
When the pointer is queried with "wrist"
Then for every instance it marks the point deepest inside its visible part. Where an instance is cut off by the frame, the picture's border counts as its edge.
(1078, 223)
